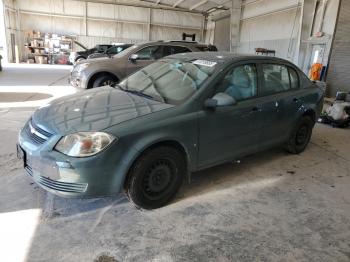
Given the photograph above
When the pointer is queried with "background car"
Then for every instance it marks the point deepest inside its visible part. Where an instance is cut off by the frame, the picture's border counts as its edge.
(115, 49)
(82, 55)
(106, 71)
(178, 115)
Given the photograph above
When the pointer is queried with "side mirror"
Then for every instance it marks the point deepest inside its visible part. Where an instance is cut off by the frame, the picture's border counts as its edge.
(220, 99)
(133, 58)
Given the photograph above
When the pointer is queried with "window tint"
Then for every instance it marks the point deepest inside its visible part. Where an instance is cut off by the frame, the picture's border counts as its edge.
(149, 53)
(294, 79)
(170, 50)
(241, 82)
(276, 79)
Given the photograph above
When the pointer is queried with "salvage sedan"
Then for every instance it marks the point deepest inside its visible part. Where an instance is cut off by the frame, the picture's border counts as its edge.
(181, 114)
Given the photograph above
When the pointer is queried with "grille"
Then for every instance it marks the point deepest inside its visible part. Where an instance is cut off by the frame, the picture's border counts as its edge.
(36, 134)
(56, 185)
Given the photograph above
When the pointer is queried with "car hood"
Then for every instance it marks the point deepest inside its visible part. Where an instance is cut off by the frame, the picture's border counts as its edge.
(105, 61)
(93, 110)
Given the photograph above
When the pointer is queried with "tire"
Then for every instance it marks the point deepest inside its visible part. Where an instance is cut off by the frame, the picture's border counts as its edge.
(104, 80)
(300, 136)
(155, 177)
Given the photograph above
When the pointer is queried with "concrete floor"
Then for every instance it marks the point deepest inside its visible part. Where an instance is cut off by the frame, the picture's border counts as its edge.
(271, 207)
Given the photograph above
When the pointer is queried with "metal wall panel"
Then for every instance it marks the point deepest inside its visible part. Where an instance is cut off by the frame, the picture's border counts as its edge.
(222, 34)
(338, 77)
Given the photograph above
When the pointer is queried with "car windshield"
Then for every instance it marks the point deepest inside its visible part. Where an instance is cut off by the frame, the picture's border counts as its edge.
(170, 81)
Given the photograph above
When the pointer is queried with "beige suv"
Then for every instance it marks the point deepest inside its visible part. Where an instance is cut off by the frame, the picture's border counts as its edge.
(97, 72)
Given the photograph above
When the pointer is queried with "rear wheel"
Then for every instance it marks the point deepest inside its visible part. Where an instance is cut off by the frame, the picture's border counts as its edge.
(155, 177)
(104, 80)
(300, 136)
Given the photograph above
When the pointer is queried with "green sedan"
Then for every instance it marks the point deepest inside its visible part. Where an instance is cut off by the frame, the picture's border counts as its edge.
(178, 115)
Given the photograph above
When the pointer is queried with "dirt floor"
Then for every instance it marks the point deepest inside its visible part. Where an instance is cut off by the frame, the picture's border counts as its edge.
(271, 207)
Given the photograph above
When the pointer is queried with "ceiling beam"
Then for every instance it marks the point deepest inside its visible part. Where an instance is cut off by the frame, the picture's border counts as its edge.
(198, 5)
(147, 4)
(178, 2)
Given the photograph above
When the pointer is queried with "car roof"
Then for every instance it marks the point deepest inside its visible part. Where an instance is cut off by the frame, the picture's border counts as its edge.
(173, 42)
(225, 57)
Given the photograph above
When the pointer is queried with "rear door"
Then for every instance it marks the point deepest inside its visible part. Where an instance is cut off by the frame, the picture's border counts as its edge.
(280, 98)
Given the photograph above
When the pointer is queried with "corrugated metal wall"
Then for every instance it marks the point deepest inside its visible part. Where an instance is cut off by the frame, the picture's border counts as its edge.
(95, 23)
(338, 77)
(222, 34)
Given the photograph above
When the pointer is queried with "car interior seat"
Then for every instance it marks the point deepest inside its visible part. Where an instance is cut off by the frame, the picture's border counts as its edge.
(240, 86)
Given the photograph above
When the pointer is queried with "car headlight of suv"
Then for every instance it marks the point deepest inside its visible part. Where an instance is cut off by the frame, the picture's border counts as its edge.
(83, 144)
(80, 67)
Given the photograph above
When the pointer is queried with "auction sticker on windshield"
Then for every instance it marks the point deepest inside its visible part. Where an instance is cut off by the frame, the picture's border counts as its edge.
(204, 63)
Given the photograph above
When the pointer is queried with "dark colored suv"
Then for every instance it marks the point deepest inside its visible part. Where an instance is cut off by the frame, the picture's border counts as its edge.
(108, 70)
(115, 49)
(82, 55)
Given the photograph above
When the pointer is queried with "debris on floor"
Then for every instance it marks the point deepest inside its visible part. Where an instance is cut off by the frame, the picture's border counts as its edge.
(338, 114)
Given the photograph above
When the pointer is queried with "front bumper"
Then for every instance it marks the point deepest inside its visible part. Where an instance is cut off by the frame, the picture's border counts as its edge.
(95, 176)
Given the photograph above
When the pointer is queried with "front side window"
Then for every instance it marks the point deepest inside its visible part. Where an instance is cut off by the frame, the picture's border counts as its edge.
(276, 79)
(170, 81)
(241, 82)
(170, 50)
(149, 53)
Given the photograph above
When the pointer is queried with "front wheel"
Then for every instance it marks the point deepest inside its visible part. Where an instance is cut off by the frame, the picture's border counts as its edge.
(155, 177)
(104, 80)
(300, 136)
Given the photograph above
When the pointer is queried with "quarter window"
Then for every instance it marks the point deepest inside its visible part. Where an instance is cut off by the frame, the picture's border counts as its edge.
(276, 79)
(294, 80)
(241, 82)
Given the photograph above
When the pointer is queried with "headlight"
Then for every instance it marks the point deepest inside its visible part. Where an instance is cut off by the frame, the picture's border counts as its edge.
(80, 67)
(84, 144)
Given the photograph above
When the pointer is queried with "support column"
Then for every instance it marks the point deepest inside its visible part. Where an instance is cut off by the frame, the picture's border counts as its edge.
(85, 18)
(149, 24)
(236, 9)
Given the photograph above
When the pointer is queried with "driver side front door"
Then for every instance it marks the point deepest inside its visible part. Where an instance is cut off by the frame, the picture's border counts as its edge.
(229, 132)
(146, 56)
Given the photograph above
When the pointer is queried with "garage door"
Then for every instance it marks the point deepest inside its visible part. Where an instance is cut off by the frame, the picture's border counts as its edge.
(222, 34)
(338, 77)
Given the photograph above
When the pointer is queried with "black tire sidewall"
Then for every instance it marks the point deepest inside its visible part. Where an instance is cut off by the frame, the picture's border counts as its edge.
(292, 145)
(136, 176)
(99, 80)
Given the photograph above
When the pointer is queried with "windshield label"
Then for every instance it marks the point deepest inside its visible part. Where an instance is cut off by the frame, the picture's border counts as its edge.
(204, 63)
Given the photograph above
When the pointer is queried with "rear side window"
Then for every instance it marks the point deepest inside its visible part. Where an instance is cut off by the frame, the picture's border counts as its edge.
(276, 79)
(206, 48)
(170, 50)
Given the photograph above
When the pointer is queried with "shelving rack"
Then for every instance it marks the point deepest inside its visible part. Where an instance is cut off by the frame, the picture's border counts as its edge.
(47, 48)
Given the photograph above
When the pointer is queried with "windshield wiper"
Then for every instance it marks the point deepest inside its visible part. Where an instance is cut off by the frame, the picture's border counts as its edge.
(135, 92)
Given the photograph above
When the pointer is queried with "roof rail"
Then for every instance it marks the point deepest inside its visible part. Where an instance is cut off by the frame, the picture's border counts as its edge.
(182, 41)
